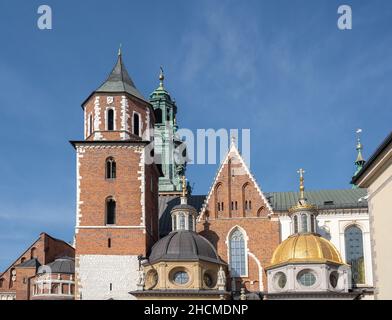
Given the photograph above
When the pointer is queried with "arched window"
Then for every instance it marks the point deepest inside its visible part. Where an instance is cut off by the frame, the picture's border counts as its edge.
(1, 282)
(110, 119)
(110, 168)
(236, 205)
(222, 206)
(246, 205)
(232, 205)
(295, 224)
(250, 205)
(237, 254)
(190, 222)
(158, 115)
(354, 253)
(109, 243)
(181, 221)
(174, 223)
(219, 208)
(136, 124)
(22, 260)
(312, 223)
(304, 223)
(110, 211)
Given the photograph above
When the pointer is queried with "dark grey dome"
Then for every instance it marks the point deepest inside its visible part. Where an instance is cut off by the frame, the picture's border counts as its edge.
(183, 245)
(60, 265)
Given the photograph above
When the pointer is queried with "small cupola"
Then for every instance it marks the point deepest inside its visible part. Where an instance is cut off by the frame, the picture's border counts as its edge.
(184, 215)
(303, 214)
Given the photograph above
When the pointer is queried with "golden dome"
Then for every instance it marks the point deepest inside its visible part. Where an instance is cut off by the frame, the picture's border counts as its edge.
(305, 247)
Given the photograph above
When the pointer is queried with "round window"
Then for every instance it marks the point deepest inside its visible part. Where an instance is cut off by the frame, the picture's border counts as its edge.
(208, 280)
(152, 278)
(333, 279)
(282, 280)
(181, 277)
(306, 278)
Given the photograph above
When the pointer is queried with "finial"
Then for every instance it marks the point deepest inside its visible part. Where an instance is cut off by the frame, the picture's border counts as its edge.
(161, 77)
(184, 190)
(119, 50)
(301, 184)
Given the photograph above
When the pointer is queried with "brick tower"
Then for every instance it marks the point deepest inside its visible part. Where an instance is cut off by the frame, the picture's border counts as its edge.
(117, 189)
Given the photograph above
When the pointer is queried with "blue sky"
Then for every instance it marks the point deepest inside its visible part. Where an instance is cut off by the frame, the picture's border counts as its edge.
(280, 68)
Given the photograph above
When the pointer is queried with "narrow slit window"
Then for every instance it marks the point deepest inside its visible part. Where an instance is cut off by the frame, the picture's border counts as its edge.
(110, 119)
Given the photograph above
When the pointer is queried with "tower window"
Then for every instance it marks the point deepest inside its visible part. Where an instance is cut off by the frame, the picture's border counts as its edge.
(246, 205)
(158, 115)
(236, 205)
(136, 124)
(109, 243)
(190, 222)
(219, 208)
(250, 205)
(232, 205)
(110, 211)
(90, 124)
(110, 119)
(110, 168)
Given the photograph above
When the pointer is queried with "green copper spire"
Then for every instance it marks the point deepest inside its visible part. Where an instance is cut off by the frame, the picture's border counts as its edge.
(360, 161)
(166, 139)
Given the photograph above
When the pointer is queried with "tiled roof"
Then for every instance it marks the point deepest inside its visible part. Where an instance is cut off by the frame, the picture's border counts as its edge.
(323, 199)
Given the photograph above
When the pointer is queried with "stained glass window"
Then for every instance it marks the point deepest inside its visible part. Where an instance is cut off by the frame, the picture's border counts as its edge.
(354, 253)
(237, 254)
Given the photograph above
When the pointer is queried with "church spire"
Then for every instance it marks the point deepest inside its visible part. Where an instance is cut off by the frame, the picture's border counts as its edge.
(119, 80)
(360, 161)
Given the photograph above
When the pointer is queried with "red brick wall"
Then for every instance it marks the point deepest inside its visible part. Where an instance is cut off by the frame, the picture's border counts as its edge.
(22, 283)
(45, 249)
(134, 105)
(235, 185)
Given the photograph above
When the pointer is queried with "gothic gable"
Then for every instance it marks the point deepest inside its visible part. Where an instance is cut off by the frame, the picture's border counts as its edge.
(235, 192)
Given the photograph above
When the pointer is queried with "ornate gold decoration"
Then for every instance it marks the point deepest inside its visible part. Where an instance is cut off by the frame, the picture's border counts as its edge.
(184, 190)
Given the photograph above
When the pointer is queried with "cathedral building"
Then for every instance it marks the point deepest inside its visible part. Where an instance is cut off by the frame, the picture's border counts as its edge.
(141, 234)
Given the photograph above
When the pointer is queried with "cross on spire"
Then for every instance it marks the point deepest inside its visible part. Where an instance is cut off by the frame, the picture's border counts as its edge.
(301, 184)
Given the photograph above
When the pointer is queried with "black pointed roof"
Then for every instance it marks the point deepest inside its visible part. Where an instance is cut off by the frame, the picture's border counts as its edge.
(119, 81)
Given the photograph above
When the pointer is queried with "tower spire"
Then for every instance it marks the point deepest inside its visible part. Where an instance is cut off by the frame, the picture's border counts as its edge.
(119, 50)
(360, 161)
